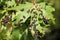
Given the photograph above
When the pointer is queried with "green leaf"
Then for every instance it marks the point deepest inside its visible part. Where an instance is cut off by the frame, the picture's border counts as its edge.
(49, 9)
(43, 4)
(20, 15)
(22, 6)
(48, 14)
(10, 3)
(15, 34)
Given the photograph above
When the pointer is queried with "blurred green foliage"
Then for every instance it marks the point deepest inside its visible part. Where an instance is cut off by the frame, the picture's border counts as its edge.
(16, 17)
